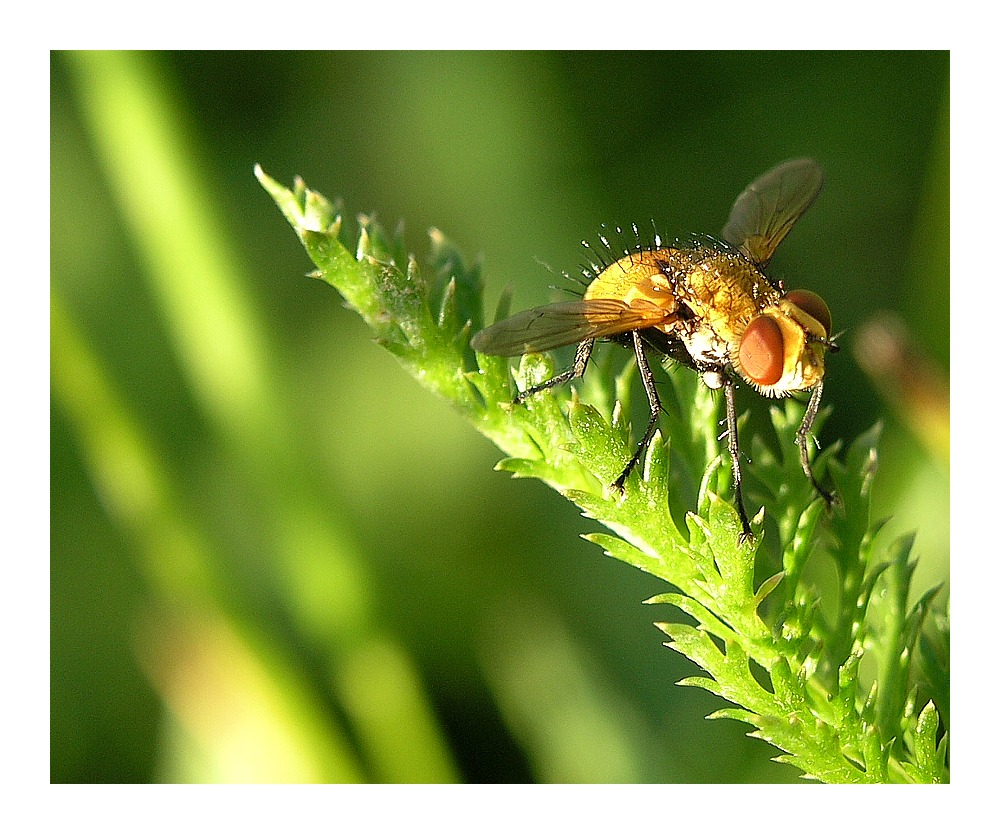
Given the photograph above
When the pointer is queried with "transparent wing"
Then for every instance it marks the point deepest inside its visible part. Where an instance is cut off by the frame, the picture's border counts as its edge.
(555, 325)
(766, 211)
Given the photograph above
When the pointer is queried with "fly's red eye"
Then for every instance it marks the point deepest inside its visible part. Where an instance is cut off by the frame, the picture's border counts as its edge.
(762, 351)
(811, 304)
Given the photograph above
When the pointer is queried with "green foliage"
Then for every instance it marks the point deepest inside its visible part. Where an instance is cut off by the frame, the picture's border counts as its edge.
(828, 679)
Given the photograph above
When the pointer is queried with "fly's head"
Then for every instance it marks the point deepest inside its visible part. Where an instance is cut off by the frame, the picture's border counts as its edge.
(783, 348)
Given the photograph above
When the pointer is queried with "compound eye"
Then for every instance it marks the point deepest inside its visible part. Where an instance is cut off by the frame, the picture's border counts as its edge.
(762, 351)
(811, 304)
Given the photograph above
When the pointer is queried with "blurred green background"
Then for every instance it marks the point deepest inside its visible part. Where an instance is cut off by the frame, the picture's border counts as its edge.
(274, 557)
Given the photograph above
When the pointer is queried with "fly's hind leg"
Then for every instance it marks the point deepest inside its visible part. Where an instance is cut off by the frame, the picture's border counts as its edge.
(732, 442)
(655, 409)
(583, 351)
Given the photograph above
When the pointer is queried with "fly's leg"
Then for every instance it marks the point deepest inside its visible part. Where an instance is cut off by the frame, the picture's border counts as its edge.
(655, 409)
(802, 441)
(583, 352)
(734, 453)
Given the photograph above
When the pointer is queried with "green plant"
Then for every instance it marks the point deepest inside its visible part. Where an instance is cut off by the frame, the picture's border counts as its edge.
(793, 664)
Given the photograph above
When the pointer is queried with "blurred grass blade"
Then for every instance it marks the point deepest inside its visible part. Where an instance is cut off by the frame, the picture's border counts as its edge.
(181, 569)
(369, 681)
(140, 133)
(130, 477)
(570, 722)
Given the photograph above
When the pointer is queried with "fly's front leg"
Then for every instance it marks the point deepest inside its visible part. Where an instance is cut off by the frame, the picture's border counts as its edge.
(583, 351)
(802, 441)
(734, 453)
(655, 409)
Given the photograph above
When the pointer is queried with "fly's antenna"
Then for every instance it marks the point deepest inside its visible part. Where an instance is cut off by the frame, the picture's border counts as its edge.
(831, 343)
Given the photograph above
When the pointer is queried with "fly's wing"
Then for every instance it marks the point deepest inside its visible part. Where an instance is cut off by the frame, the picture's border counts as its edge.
(556, 325)
(766, 211)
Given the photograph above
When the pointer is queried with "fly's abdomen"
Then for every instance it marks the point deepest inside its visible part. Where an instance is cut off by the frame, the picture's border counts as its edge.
(642, 280)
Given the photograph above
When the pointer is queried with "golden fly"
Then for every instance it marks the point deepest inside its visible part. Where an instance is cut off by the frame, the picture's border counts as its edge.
(709, 305)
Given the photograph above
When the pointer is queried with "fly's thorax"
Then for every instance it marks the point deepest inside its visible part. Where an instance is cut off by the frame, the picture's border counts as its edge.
(783, 349)
(723, 292)
(726, 291)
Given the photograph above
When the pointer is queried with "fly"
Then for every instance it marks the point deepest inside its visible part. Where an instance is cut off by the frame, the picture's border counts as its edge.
(709, 306)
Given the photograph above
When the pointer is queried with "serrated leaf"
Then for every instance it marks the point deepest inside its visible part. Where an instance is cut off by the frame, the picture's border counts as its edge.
(929, 757)
(577, 438)
(707, 684)
(743, 715)
(766, 587)
(705, 618)
(625, 552)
